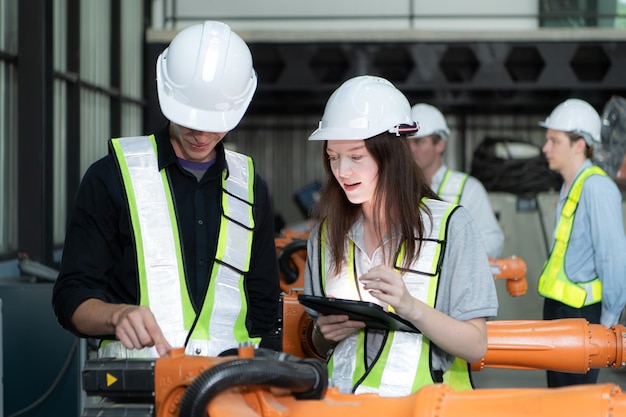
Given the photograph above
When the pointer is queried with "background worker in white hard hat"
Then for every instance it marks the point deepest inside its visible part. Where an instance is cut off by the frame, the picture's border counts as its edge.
(385, 237)
(428, 146)
(585, 274)
(171, 239)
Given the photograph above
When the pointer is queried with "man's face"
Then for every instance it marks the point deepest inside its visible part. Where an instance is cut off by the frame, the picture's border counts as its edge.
(558, 149)
(426, 152)
(194, 145)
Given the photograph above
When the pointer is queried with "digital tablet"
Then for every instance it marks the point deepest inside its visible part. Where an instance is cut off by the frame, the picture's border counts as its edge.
(371, 314)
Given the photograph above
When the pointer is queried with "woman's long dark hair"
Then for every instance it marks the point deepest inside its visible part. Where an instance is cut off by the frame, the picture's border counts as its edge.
(401, 187)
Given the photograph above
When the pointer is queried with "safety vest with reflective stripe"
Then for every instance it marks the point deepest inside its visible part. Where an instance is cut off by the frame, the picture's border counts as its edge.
(220, 325)
(553, 282)
(402, 365)
(452, 185)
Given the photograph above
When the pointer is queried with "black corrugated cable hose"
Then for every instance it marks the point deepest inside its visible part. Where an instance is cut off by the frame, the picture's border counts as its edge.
(522, 176)
(306, 379)
(286, 265)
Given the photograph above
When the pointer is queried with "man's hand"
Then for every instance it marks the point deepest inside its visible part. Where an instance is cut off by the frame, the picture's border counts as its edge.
(136, 328)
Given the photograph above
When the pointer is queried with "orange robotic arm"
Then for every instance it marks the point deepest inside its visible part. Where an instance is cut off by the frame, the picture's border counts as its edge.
(513, 269)
(430, 401)
(567, 345)
(242, 385)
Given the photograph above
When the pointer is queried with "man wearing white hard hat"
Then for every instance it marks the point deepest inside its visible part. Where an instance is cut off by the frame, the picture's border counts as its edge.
(585, 274)
(171, 240)
(428, 146)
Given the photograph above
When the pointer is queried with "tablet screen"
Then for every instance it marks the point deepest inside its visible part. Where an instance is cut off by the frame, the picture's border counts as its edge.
(371, 314)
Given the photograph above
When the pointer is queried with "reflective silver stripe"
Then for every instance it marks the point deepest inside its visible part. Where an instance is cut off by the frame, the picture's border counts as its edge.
(193, 348)
(401, 368)
(343, 363)
(238, 237)
(239, 208)
(157, 236)
(227, 299)
(226, 308)
(424, 263)
(117, 350)
(451, 186)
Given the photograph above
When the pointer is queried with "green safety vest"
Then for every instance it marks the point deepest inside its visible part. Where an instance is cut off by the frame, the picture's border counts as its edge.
(553, 282)
(162, 285)
(452, 185)
(403, 364)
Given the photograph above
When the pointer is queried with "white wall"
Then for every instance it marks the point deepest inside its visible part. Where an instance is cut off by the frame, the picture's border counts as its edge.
(475, 15)
(371, 15)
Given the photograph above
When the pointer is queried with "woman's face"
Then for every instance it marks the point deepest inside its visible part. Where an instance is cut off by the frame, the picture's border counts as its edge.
(354, 168)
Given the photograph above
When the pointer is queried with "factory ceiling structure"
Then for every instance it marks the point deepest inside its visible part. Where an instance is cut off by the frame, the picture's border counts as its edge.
(523, 75)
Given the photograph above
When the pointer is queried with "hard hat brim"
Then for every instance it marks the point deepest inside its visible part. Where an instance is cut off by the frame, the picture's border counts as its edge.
(343, 134)
(197, 119)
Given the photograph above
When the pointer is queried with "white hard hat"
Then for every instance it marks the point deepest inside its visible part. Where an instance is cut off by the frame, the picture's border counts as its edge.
(363, 107)
(431, 121)
(576, 116)
(205, 78)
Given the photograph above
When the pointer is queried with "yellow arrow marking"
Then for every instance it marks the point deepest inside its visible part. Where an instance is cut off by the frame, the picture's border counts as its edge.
(110, 379)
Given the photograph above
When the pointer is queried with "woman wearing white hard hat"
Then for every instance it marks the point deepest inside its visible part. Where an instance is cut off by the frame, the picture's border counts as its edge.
(171, 242)
(384, 237)
(585, 274)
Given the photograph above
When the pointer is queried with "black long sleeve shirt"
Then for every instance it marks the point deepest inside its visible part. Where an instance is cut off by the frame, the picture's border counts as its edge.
(99, 257)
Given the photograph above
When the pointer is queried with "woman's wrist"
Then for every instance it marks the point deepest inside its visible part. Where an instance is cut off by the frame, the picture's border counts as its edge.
(323, 346)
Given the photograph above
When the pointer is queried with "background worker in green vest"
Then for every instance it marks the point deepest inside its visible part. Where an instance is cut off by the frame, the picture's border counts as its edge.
(171, 239)
(585, 274)
(428, 146)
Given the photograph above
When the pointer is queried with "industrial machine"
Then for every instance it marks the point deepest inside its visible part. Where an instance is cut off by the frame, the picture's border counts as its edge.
(256, 382)
(253, 382)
